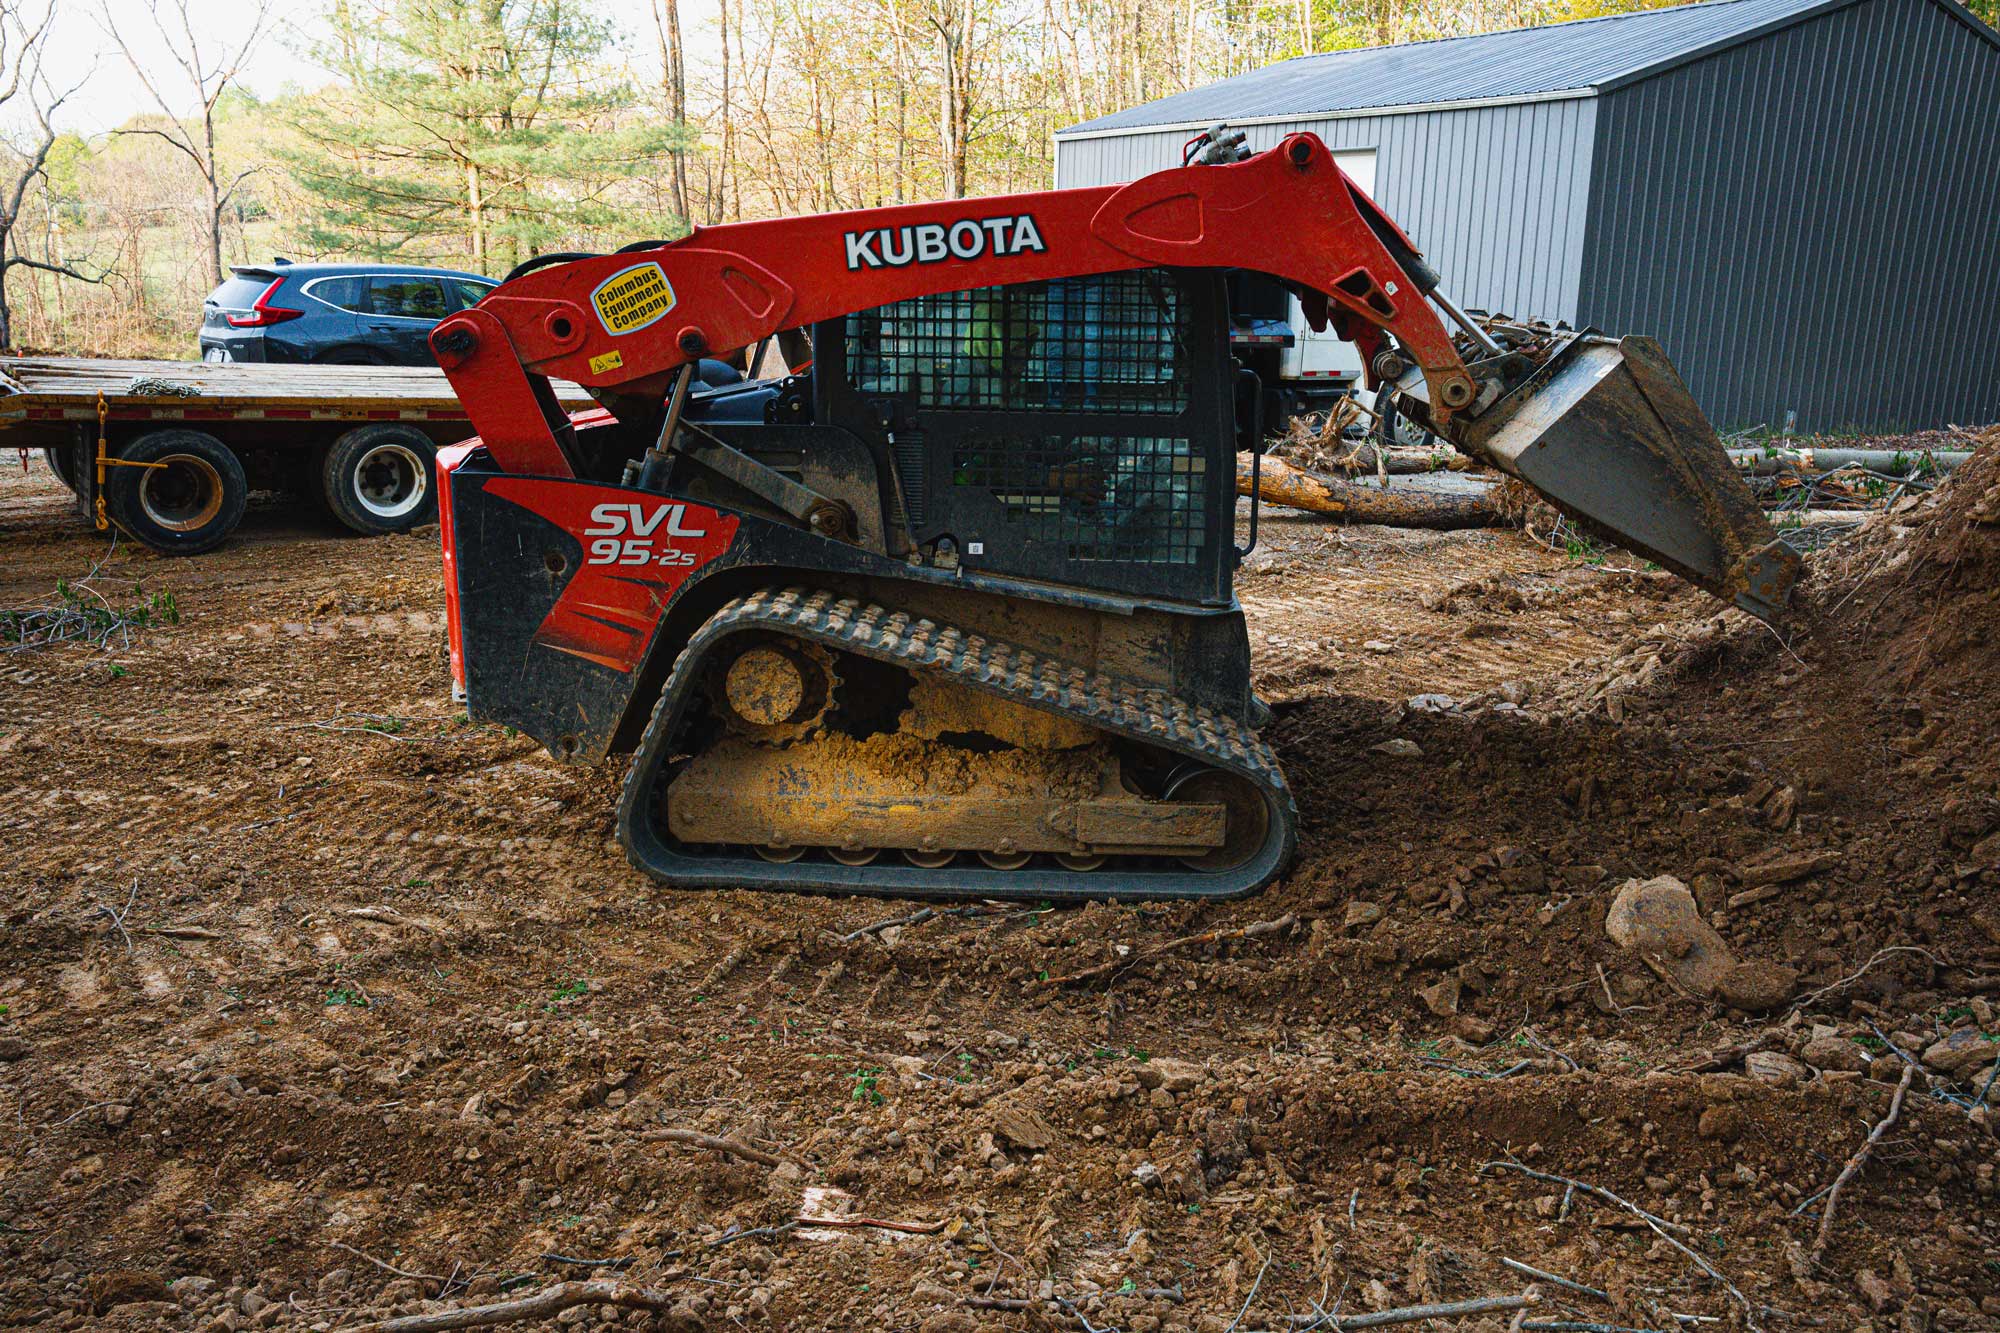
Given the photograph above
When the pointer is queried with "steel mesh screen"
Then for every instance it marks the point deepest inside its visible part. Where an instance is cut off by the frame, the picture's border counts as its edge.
(1104, 343)
(1095, 498)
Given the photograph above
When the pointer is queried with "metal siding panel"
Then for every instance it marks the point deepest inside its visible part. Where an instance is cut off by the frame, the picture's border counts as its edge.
(1969, 222)
(1823, 201)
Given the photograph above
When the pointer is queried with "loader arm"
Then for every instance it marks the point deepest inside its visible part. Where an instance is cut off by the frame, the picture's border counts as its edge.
(1628, 454)
(622, 324)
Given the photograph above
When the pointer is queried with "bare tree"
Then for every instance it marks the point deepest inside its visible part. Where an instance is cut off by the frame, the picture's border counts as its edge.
(209, 73)
(667, 24)
(22, 35)
(954, 22)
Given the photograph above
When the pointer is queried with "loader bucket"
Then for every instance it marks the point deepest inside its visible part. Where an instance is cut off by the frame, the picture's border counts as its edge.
(1608, 433)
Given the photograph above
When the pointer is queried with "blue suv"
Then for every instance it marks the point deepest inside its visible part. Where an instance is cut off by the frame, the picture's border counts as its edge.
(333, 314)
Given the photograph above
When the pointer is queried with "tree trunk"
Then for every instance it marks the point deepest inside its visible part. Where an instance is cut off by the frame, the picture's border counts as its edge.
(214, 198)
(723, 175)
(1279, 483)
(475, 202)
(6, 310)
(674, 76)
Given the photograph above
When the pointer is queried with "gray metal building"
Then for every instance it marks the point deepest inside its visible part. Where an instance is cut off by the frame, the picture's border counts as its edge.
(1799, 198)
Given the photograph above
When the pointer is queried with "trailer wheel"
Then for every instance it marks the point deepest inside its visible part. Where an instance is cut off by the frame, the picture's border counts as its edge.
(379, 479)
(55, 456)
(188, 505)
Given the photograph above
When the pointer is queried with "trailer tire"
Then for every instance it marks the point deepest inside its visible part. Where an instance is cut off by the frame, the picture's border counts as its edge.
(381, 479)
(55, 455)
(188, 506)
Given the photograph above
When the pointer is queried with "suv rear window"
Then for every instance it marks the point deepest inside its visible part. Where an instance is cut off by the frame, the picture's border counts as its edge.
(410, 297)
(468, 292)
(349, 293)
(240, 290)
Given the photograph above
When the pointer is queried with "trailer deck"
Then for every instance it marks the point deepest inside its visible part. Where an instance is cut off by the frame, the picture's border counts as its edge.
(39, 395)
(185, 441)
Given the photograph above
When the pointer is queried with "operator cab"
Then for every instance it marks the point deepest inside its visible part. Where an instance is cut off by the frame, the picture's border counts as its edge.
(1077, 430)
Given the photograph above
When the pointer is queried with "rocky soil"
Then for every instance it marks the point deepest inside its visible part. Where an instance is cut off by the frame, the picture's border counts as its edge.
(319, 1004)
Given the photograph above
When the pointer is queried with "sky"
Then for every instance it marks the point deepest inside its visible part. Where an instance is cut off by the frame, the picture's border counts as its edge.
(77, 48)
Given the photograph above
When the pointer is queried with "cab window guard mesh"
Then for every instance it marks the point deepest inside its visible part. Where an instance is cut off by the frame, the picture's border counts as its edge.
(1095, 499)
(1112, 342)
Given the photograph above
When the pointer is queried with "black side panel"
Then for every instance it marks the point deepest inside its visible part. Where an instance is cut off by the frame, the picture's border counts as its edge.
(512, 566)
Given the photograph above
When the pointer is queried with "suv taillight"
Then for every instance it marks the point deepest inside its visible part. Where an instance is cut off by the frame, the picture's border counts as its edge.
(262, 314)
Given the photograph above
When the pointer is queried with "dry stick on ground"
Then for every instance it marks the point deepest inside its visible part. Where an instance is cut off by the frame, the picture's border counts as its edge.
(1253, 931)
(387, 1268)
(543, 1304)
(1659, 1225)
(1862, 971)
(1860, 1159)
(916, 918)
(733, 1147)
(910, 1228)
(118, 917)
(1262, 1269)
(180, 932)
(1541, 1275)
(1410, 1314)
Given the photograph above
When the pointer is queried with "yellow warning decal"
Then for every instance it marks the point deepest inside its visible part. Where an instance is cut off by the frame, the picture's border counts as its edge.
(608, 361)
(632, 298)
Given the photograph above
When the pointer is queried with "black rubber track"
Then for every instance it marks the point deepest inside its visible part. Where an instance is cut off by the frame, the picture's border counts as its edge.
(997, 667)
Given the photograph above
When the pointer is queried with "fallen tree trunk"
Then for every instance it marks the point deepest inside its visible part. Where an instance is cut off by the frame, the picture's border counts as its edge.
(1770, 462)
(1279, 483)
(1368, 458)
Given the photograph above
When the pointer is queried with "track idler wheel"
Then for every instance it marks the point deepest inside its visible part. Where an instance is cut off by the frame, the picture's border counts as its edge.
(1249, 819)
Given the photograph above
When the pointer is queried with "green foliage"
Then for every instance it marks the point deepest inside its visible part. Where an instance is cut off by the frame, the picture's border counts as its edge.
(345, 994)
(867, 1086)
(81, 614)
(477, 133)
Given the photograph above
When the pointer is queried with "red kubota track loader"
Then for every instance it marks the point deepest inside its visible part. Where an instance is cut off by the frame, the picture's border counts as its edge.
(947, 611)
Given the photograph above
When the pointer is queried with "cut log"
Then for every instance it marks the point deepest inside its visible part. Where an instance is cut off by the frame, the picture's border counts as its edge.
(1770, 462)
(1278, 482)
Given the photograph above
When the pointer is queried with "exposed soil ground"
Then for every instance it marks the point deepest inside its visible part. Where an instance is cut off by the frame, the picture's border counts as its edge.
(318, 1003)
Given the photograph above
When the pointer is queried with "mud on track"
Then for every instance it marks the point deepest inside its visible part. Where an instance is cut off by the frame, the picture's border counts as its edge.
(385, 985)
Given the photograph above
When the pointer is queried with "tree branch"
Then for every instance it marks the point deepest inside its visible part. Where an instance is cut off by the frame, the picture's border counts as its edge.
(63, 270)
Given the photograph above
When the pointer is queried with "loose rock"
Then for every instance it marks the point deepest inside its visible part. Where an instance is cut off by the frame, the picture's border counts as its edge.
(1756, 986)
(1659, 920)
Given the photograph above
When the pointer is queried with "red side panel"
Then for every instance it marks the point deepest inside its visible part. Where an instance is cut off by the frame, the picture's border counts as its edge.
(448, 460)
(637, 551)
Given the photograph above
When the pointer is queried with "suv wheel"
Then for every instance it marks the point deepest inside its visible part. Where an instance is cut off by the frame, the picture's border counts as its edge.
(189, 502)
(379, 479)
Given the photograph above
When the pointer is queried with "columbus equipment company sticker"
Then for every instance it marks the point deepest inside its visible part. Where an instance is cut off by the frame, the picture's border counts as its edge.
(632, 298)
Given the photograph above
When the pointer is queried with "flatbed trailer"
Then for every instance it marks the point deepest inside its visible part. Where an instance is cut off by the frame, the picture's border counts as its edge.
(169, 451)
